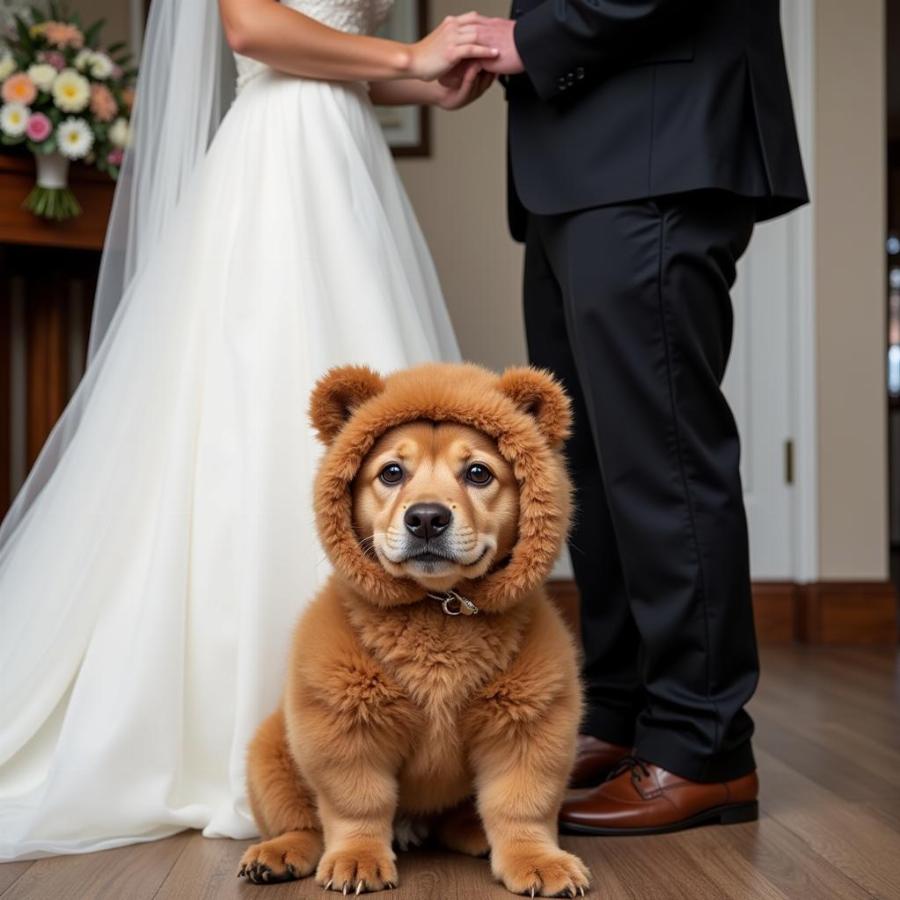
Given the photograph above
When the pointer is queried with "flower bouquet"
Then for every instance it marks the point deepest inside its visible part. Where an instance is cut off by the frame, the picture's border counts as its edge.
(65, 99)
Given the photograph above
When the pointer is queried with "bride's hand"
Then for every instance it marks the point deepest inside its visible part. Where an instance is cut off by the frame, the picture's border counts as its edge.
(449, 44)
(463, 84)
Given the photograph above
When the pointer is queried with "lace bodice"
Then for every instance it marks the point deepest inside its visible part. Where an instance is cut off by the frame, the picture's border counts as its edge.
(352, 16)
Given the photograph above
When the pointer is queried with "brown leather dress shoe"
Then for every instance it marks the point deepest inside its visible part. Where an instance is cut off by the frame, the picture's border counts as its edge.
(594, 760)
(645, 799)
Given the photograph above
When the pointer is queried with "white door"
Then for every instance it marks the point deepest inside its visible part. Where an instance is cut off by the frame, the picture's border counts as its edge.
(758, 385)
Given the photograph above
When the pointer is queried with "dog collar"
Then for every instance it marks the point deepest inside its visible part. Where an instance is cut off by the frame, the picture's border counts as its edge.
(455, 604)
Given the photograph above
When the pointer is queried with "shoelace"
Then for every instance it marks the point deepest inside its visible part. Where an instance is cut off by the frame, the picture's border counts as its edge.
(635, 765)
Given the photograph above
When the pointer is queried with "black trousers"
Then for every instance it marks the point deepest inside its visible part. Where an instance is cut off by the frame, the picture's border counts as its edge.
(629, 305)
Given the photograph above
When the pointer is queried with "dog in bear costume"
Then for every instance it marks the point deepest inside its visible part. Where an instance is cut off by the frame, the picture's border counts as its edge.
(432, 687)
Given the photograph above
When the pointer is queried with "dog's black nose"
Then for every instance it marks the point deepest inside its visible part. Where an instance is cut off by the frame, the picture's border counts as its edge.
(427, 520)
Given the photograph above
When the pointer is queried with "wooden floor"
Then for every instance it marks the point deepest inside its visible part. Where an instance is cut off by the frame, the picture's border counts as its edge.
(828, 747)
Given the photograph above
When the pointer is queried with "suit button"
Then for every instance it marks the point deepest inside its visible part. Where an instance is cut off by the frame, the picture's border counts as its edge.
(579, 73)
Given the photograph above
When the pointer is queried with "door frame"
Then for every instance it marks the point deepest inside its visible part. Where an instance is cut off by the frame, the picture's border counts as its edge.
(799, 16)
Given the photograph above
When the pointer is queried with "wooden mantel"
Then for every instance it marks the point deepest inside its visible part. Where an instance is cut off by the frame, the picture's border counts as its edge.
(94, 191)
(48, 275)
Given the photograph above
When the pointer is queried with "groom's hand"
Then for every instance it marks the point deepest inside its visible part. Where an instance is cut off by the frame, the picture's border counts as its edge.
(498, 34)
(463, 84)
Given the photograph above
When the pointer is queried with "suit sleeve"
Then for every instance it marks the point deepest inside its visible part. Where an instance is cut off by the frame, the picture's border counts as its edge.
(561, 42)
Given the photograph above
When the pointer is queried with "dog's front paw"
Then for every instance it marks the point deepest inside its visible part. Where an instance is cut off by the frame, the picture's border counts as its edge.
(358, 866)
(289, 856)
(542, 872)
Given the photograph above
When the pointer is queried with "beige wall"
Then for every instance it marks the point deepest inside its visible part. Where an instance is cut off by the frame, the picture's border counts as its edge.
(460, 197)
(114, 11)
(849, 213)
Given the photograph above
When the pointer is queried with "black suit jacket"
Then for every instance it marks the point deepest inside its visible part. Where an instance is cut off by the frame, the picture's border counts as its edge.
(628, 99)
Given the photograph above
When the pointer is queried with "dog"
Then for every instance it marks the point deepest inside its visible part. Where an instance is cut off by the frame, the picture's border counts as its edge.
(432, 687)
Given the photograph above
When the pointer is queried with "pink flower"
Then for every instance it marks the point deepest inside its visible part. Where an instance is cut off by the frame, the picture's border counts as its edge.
(103, 104)
(39, 128)
(115, 156)
(62, 34)
(19, 88)
(53, 58)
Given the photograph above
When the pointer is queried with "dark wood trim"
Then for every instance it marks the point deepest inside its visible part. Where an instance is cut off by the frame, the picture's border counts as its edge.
(93, 190)
(564, 593)
(48, 359)
(5, 386)
(775, 611)
(825, 612)
(848, 613)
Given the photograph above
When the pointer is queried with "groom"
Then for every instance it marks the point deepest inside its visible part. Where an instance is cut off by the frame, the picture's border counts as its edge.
(646, 137)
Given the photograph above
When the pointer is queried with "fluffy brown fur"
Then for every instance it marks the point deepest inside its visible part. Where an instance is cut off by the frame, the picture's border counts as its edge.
(397, 716)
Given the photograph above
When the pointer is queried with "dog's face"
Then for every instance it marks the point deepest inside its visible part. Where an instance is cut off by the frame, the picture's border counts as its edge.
(436, 503)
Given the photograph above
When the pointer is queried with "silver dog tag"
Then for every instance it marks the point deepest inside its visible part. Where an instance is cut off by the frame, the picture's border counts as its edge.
(455, 604)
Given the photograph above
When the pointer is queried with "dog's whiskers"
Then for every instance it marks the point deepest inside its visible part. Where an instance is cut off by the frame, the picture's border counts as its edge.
(368, 545)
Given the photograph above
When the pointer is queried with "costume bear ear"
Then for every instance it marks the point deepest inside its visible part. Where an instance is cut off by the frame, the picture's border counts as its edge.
(337, 395)
(537, 393)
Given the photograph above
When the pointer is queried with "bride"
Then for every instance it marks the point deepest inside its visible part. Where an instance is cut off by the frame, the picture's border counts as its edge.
(153, 564)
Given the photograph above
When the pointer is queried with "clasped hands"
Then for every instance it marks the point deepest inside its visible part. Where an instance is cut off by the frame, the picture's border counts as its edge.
(464, 54)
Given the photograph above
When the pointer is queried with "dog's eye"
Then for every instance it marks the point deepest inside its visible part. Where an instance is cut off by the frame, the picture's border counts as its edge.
(479, 475)
(391, 474)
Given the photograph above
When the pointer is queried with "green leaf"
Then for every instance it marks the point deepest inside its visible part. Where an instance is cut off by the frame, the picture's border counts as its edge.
(24, 36)
(91, 35)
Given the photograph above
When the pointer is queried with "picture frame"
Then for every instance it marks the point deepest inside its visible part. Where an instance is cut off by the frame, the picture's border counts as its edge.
(407, 129)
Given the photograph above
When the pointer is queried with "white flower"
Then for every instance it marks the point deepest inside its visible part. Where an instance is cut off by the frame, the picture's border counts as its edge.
(101, 66)
(120, 133)
(43, 75)
(83, 59)
(7, 65)
(74, 138)
(14, 119)
(71, 91)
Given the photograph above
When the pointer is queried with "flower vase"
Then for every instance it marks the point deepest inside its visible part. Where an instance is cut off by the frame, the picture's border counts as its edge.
(51, 197)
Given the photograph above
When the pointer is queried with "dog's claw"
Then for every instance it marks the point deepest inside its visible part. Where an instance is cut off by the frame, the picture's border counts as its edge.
(327, 887)
(581, 890)
(532, 892)
(359, 888)
(346, 888)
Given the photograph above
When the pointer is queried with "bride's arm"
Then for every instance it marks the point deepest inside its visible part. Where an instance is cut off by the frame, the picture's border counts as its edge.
(291, 42)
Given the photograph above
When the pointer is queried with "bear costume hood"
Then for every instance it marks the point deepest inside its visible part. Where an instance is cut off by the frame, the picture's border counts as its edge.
(524, 410)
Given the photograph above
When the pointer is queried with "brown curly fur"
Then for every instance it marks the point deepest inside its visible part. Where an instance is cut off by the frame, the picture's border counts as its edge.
(394, 710)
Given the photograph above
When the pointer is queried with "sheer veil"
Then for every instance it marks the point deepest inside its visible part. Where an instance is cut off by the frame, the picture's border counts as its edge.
(185, 85)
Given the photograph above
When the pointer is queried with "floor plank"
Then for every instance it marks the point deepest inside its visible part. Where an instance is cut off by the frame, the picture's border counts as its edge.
(828, 748)
(135, 872)
(10, 873)
(848, 835)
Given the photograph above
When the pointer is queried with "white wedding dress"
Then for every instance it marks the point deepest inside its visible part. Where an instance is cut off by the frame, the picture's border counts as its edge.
(148, 596)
